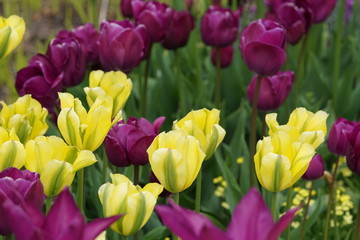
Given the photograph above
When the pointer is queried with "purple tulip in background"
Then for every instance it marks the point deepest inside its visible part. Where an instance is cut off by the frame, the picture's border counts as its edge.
(63, 222)
(155, 16)
(315, 169)
(321, 9)
(251, 220)
(126, 8)
(126, 144)
(219, 27)
(178, 32)
(273, 90)
(338, 136)
(226, 56)
(17, 186)
(122, 45)
(262, 45)
(353, 149)
(66, 54)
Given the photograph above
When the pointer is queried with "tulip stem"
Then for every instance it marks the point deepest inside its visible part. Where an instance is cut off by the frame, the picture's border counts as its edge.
(299, 69)
(198, 192)
(176, 197)
(48, 203)
(8, 237)
(252, 137)
(331, 199)
(136, 174)
(218, 79)
(274, 205)
(302, 231)
(357, 227)
(80, 190)
(145, 84)
(288, 206)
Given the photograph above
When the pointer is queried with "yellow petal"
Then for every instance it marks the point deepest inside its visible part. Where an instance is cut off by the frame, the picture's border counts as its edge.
(12, 154)
(69, 126)
(84, 159)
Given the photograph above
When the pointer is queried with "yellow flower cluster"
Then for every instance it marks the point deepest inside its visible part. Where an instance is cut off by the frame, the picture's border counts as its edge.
(344, 207)
(220, 190)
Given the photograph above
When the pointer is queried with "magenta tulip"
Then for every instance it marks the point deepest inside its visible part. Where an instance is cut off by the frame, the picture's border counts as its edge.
(315, 169)
(126, 8)
(353, 149)
(321, 9)
(226, 56)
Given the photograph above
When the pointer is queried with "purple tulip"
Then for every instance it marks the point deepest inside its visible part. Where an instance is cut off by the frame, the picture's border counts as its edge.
(63, 222)
(353, 149)
(226, 56)
(273, 90)
(155, 16)
(126, 144)
(66, 54)
(219, 27)
(178, 32)
(252, 220)
(122, 45)
(126, 8)
(262, 45)
(338, 136)
(315, 169)
(321, 9)
(17, 186)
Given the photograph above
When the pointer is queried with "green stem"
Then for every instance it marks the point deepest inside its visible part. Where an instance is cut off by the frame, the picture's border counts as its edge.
(181, 82)
(104, 166)
(80, 190)
(145, 84)
(263, 123)
(48, 203)
(274, 205)
(300, 69)
(8, 237)
(218, 79)
(302, 231)
(198, 192)
(252, 137)
(357, 227)
(176, 197)
(136, 174)
(288, 206)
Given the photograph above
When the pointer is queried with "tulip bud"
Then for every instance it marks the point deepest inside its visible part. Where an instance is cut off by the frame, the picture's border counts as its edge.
(226, 56)
(353, 150)
(135, 202)
(219, 27)
(12, 30)
(12, 152)
(126, 8)
(338, 136)
(321, 9)
(204, 125)
(273, 90)
(56, 162)
(315, 169)
(175, 159)
(262, 45)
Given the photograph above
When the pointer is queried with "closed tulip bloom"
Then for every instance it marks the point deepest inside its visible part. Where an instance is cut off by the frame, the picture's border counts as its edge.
(155, 16)
(273, 90)
(353, 150)
(226, 56)
(85, 130)
(178, 32)
(204, 125)
(12, 151)
(175, 159)
(315, 169)
(56, 162)
(262, 45)
(114, 84)
(126, 143)
(321, 9)
(219, 27)
(26, 116)
(12, 30)
(338, 136)
(126, 8)
(122, 45)
(122, 197)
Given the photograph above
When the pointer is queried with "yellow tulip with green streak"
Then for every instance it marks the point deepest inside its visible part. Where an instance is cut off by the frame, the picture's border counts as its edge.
(12, 30)
(122, 197)
(114, 84)
(56, 162)
(175, 159)
(204, 125)
(26, 116)
(12, 151)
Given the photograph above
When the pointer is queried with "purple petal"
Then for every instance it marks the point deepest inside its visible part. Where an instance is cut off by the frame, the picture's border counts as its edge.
(94, 228)
(283, 222)
(157, 124)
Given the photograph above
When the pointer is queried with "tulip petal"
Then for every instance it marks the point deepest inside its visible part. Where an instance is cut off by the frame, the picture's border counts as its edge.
(12, 154)
(94, 228)
(283, 223)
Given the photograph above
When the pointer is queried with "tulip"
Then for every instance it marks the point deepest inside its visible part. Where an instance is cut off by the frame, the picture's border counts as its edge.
(12, 152)
(126, 8)
(126, 144)
(262, 45)
(219, 27)
(353, 149)
(12, 30)
(321, 9)
(66, 54)
(204, 125)
(114, 84)
(122, 45)
(251, 219)
(63, 222)
(178, 32)
(280, 162)
(226, 56)
(273, 90)
(175, 159)
(56, 162)
(338, 136)
(315, 169)
(137, 203)
(85, 130)
(26, 116)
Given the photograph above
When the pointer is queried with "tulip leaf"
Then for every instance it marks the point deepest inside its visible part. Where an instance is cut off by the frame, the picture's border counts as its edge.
(160, 232)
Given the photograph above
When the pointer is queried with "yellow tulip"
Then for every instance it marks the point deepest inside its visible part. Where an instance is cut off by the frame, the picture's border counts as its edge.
(175, 159)
(26, 116)
(280, 162)
(12, 151)
(114, 84)
(56, 162)
(122, 197)
(12, 30)
(204, 125)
